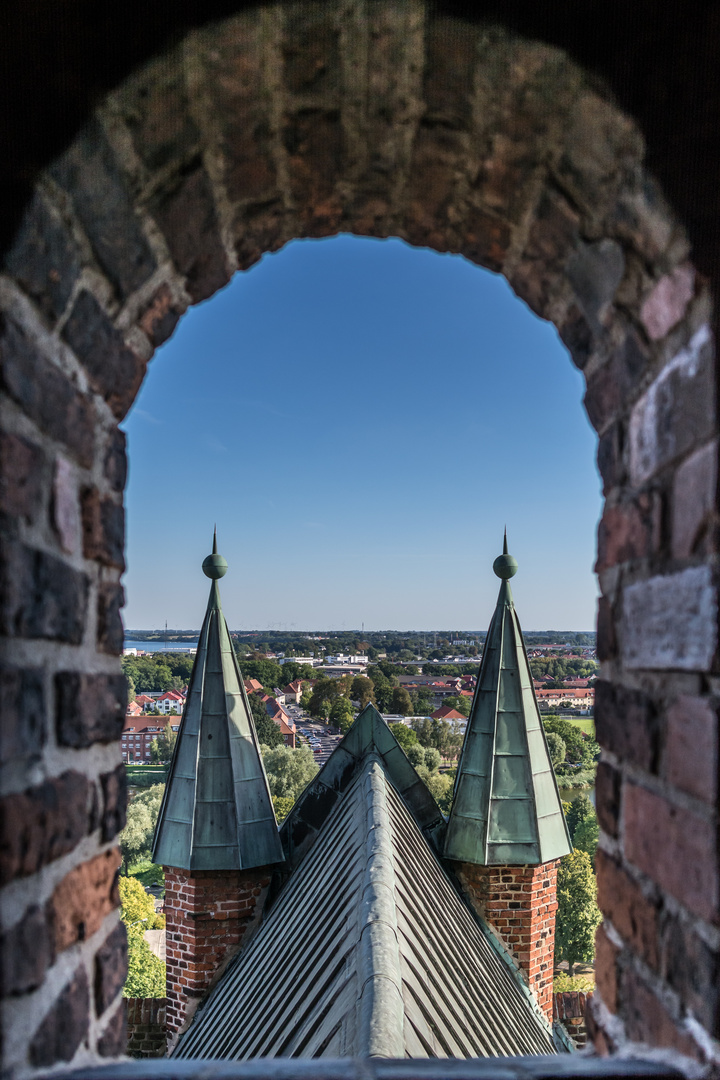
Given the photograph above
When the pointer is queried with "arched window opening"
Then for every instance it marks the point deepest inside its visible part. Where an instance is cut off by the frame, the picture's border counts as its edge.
(281, 124)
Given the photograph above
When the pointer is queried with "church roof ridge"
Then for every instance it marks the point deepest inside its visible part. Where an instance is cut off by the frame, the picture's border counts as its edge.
(506, 807)
(216, 813)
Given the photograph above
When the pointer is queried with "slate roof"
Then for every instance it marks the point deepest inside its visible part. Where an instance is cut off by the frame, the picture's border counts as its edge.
(506, 807)
(368, 951)
(216, 813)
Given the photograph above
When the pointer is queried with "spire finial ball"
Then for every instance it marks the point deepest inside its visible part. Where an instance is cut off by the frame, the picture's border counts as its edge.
(505, 566)
(214, 566)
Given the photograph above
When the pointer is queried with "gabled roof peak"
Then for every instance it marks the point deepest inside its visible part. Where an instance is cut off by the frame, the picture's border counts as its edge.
(506, 808)
(217, 813)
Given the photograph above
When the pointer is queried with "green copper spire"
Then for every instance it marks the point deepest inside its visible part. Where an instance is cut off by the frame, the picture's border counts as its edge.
(217, 813)
(506, 807)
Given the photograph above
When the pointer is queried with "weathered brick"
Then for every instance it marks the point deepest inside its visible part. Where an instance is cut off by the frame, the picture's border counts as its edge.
(595, 270)
(42, 597)
(115, 370)
(622, 902)
(45, 394)
(607, 797)
(115, 463)
(159, 319)
(89, 708)
(606, 968)
(21, 476)
(83, 899)
(606, 638)
(685, 862)
(89, 171)
(65, 1026)
(486, 240)
(667, 303)
(110, 632)
(159, 120)
(65, 506)
(23, 731)
(628, 531)
(449, 75)
(676, 413)
(315, 143)
(188, 218)
(670, 621)
(692, 969)
(694, 502)
(41, 824)
(114, 790)
(646, 1018)
(44, 259)
(626, 723)
(113, 1039)
(690, 760)
(606, 393)
(110, 968)
(103, 524)
(553, 234)
(610, 457)
(576, 334)
(26, 953)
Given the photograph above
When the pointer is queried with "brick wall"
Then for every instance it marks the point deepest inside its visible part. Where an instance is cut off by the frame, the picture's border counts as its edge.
(569, 1007)
(146, 1027)
(207, 915)
(519, 903)
(381, 120)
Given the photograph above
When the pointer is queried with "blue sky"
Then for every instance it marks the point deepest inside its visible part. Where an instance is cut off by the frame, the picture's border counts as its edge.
(361, 419)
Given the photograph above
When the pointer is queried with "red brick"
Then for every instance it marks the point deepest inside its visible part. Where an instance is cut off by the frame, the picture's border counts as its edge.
(89, 708)
(607, 797)
(622, 902)
(628, 531)
(691, 753)
(647, 1020)
(694, 501)
(678, 852)
(667, 303)
(626, 723)
(21, 476)
(65, 1025)
(41, 824)
(42, 597)
(83, 898)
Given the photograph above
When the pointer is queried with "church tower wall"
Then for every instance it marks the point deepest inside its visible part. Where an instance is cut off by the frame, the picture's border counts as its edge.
(519, 905)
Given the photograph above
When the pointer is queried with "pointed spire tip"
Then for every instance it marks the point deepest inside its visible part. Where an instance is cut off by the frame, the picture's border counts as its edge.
(214, 566)
(505, 566)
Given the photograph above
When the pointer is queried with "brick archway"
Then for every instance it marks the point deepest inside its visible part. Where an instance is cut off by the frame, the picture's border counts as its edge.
(294, 121)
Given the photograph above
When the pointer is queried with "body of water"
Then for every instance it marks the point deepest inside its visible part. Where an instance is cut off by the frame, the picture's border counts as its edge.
(160, 646)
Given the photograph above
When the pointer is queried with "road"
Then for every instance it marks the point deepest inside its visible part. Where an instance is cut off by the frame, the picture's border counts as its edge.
(313, 733)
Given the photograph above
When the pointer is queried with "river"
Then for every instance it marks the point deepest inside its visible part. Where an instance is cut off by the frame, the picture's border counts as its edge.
(160, 646)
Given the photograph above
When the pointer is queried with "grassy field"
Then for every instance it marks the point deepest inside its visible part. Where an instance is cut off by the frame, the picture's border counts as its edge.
(585, 723)
(148, 873)
(145, 775)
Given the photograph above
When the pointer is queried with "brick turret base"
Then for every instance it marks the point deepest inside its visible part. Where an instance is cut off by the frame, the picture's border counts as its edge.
(208, 913)
(519, 904)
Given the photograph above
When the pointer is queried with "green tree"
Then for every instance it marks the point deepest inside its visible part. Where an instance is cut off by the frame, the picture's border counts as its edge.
(556, 746)
(283, 804)
(342, 714)
(404, 735)
(131, 692)
(324, 693)
(570, 735)
(422, 702)
(267, 730)
(400, 701)
(137, 836)
(289, 771)
(362, 690)
(578, 914)
(146, 973)
(423, 730)
(585, 837)
(432, 759)
(267, 672)
(581, 809)
(416, 755)
(440, 787)
(166, 743)
(461, 704)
